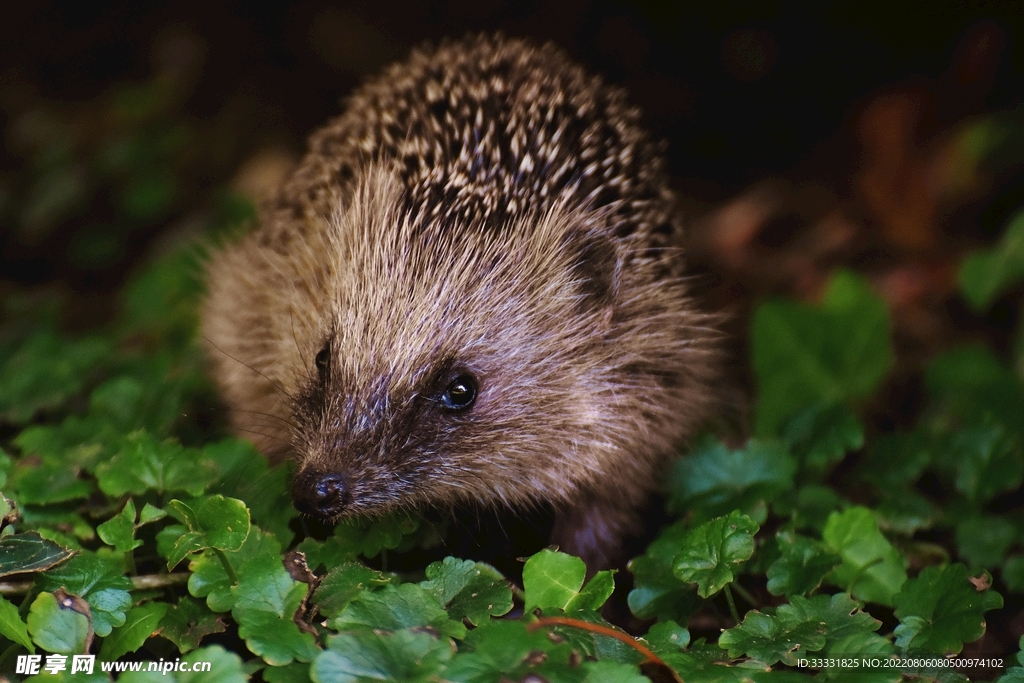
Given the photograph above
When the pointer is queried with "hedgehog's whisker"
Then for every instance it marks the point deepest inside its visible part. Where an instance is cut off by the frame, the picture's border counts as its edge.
(272, 382)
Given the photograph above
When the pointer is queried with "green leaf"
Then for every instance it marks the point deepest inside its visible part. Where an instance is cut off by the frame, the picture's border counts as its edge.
(210, 580)
(988, 272)
(365, 656)
(803, 626)
(163, 299)
(983, 540)
(988, 462)
(978, 388)
(12, 627)
(505, 649)
(28, 552)
(871, 568)
(56, 629)
(809, 506)
(657, 593)
(716, 480)
(52, 483)
(266, 599)
(141, 623)
(605, 671)
(188, 622)
(44, 372)
(296, 672)
(101, 582)
(801, 567)
(244, 474)
(470, 590)
(212, 522)
(667, 637)
(345, 582)
(1013, 573)
(941, 610)
(368, 537)
(144, 463)
(392, 608)
(119, 530)
(712, 553)
(822, 435)
(896, 461)
(810, 355)
(593, 595)
(551, 579)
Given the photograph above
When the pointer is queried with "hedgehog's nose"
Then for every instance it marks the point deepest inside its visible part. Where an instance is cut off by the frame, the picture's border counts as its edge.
(320, 494)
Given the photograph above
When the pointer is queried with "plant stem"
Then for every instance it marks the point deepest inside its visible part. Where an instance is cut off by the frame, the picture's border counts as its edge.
(732, 604)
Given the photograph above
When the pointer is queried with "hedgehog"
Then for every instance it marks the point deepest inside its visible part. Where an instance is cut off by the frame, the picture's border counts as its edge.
(469, 292)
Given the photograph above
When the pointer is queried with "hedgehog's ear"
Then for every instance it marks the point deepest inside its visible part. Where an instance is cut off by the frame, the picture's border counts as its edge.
(597, 270)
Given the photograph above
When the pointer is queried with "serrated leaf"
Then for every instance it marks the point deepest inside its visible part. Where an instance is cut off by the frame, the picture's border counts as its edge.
(988, 462)
(809, 355)
(368, 537)
(983, 540)
(503, 648)
(344, 583)
(188, 622)
(365, 656)
(44, 372)
(100, 581)
(871, 568)
(896, 461)
(29, 552)
(716, 480)
(55, 629)
(801, 567)
(469, 590)
(210, 580)
(144, 463)
(119, 530)
(245, 474)
(988, 272)
(805, 625)
(657, 593)
(822, 435)
(712, 553)
(212, 522)
(266, 599)
(52, 483)
(393, 608)
(223, 522)
(12, 627)
(977, 387)
(140, 624)
(940, 610)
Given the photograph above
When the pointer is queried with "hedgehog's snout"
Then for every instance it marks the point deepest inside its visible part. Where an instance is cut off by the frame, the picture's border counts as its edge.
(321, 494)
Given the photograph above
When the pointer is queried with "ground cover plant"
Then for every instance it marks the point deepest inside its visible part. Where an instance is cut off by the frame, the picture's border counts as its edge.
(821, 543)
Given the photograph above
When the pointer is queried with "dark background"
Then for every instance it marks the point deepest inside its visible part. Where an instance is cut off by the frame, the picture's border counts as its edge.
(740, 89)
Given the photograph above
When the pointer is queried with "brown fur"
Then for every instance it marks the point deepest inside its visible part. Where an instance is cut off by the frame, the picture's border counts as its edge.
(485, 206)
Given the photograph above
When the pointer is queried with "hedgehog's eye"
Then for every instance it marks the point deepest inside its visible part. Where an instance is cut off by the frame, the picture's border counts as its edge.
(461, 393)
(323, 357)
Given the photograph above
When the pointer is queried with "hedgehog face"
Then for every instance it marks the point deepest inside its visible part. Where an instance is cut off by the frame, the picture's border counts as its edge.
(471, 374)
